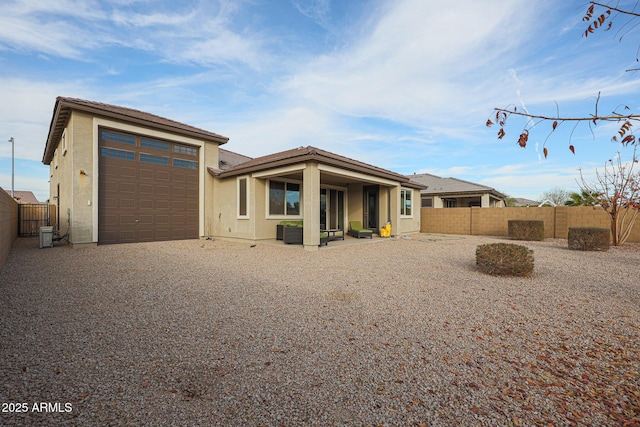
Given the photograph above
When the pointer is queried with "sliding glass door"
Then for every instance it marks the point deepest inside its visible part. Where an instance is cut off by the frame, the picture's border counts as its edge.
(332, 208)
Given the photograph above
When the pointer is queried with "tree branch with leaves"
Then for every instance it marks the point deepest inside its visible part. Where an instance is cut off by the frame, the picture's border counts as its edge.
(625, 118)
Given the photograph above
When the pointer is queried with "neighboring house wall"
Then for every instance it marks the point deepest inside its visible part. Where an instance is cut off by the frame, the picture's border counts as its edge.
(8, 225)
(465, 201)
(494, 222)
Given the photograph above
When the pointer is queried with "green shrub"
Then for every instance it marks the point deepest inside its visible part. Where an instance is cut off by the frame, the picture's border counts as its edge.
(504, 259)
(525, 229)
(589, 238)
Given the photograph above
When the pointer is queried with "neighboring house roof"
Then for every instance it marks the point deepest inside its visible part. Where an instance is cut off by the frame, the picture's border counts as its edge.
(519, 201)
(24, 197)
(303, 154)
(451, 186)
(228, 159)
(64, 106)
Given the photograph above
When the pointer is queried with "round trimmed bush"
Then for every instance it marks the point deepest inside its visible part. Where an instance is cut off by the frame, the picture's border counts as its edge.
(504, 259)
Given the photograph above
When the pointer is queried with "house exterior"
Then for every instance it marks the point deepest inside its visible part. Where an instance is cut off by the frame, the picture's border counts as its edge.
(456, 193)
(121, 175)
(25, 197)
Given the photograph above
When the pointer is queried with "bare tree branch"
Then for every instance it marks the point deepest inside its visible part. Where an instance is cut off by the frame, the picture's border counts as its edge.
(614, 117)
(623, 11)
(617, 191)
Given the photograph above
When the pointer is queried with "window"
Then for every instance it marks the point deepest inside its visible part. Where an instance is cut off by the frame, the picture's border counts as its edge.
(405, 202)
(157, 160)
(151, 143)
(449, 203)
(117, 154)
(118, 137)
(284, 198)
(183, 149)
(427, 202)
(243, 197)
(187, 164)
(64, 142)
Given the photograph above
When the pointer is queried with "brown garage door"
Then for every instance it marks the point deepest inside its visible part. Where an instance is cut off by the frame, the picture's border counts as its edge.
(148, 189)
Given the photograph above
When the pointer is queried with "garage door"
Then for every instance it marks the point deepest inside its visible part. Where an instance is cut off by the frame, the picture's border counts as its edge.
(148, 189)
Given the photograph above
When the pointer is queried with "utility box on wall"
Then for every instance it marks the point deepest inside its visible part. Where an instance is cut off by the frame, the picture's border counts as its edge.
(46, 237)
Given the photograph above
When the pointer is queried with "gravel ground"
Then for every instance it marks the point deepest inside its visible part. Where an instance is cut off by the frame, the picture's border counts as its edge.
(403, 332)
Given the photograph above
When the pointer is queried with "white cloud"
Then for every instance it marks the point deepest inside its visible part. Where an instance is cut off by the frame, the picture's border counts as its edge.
(420, 64)
(26, 112)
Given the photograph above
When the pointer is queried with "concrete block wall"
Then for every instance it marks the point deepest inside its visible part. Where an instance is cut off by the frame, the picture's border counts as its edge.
(8, 225)
(494, 221)
(446, 221)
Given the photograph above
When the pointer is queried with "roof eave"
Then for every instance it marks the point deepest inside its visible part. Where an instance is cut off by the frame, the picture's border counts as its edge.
(308, 156)
(64, 108)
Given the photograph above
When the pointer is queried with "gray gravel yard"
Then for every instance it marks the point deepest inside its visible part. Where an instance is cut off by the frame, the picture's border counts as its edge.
(404, 332)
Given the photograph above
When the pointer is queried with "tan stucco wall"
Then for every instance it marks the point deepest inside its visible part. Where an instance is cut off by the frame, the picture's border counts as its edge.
(494, 222)
(8, 225)
(60, 171)
(209, 158)
(226, 221)
(81, 145)
(354, 203)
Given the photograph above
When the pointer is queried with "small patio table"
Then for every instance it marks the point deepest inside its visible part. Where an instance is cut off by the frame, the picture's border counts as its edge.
(332, 233)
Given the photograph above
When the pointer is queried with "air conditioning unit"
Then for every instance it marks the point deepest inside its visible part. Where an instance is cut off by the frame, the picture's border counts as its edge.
(46, 237)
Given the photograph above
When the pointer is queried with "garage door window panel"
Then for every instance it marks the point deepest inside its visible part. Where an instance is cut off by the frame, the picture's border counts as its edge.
(117, 154)
(118, 137)
(156, 160)
(151, 143)
(183, 149)
(186, 164)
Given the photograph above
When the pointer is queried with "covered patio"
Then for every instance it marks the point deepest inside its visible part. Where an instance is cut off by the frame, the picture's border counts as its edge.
(321, 189)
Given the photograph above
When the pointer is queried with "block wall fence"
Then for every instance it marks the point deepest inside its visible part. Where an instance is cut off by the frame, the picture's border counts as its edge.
(8, 224)
(494, 221)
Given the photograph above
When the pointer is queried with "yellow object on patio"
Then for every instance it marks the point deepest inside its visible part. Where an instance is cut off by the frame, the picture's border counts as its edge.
(385, 230)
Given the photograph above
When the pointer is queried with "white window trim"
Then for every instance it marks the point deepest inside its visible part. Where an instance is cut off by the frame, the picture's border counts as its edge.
(240, 178)
(402, 206)
(284, 217)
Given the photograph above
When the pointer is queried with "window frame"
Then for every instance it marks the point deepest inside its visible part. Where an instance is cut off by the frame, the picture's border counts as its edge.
(284, 215)
(64, 142)
(403, 202)
(239, 180)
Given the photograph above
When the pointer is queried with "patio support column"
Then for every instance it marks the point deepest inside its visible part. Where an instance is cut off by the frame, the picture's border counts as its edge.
(486, 202)
(394, 200)
(311, 195)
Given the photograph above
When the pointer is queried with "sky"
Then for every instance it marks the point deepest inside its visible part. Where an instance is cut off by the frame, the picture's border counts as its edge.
(406, 85)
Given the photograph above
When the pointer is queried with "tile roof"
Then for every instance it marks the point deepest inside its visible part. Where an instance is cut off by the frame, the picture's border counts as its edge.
(64, 106)
(519, 201)
(24, 197)
(302, 154)
(227, 159)
(439, 185)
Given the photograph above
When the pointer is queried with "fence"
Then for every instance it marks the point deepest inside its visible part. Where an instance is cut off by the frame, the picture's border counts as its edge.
(31, 217)
(8, 224)
(494, 221)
